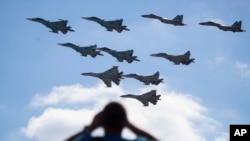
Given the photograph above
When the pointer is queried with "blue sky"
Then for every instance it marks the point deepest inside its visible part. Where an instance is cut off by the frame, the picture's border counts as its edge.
(39, 78)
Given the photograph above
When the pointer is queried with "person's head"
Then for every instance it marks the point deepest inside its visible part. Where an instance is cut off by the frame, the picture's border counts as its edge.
(114, 117)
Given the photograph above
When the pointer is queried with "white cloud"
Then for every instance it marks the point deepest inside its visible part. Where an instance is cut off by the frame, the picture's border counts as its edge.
(176, 117)
(75, 94)
(222, 137)
(243, 68)
(54, 123)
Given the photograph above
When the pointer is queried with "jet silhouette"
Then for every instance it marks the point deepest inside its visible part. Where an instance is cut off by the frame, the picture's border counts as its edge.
(150, 79)
(235, 27)
(55, 26)
(176, 59)
(108, 76)
(145, 98)
(175, 21)
(109, 25)
(121, 55)
(88, 50)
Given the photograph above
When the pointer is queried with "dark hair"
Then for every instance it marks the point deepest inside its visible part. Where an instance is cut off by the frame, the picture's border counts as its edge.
(114, 116)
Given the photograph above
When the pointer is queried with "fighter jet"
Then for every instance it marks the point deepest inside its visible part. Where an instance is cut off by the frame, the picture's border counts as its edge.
(175, 21)
(107, 76)
(177, 59)
(121, 55)
(109, 25)
(145, 98)
(236, 27)
(150, 79)
(55, 26)
(88, 50)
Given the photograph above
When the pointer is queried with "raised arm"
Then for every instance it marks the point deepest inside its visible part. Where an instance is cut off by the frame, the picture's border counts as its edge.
(97, 122)
(140, 132)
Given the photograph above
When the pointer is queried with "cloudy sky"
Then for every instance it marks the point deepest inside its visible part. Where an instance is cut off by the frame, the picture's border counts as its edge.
(43, 97)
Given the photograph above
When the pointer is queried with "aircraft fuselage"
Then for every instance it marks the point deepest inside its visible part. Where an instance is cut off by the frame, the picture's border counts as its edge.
(230, 28)
(173, 22)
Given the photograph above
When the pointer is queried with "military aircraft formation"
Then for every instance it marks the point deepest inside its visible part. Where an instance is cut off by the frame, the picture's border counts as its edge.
(93, 51)
(111, 25)
(113, 74)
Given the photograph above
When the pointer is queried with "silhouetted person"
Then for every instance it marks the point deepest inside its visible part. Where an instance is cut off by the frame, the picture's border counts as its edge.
(113, 119)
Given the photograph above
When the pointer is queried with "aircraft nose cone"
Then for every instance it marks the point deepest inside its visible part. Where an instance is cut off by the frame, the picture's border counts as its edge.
(29, 19)
(84, 73)
(145, 16)
(153, 54)
(87, 18)
(202, 23)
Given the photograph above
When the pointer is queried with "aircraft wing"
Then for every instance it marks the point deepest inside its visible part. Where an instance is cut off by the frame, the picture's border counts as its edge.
(116, 81)
(237, 24)
(148, 95)
(119, 22)
(144, 102)
(151, 97)
(153, 101)
(145, 82)
(108, 28)
(83, 53)
(152, 16)
(73, 46)
(188, 61)
(116, 22)
(127, 52)
(60, 23)
(90, 51)
(70, 45)
(210, 23)
(113, 70)
(178, 18)
(64, 31)
(176, 61)
(54, 30)
(107, 82)
(92, 55)
(83, 49)
(119, 58)
(187, 54)
(156, 75)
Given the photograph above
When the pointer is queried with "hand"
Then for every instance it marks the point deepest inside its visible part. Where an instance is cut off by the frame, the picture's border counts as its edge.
(139, 132)
(97, 122)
